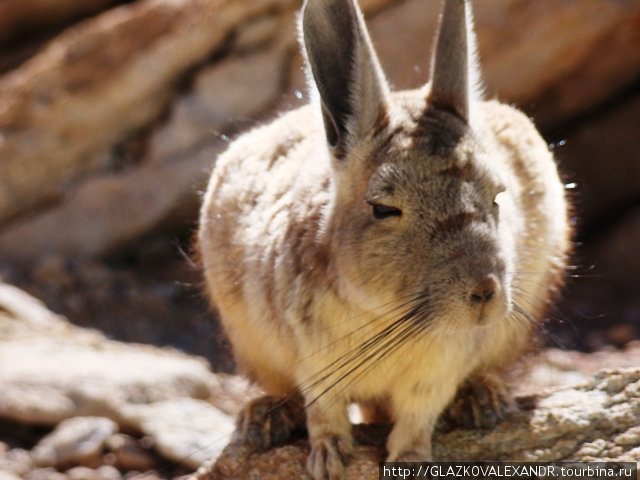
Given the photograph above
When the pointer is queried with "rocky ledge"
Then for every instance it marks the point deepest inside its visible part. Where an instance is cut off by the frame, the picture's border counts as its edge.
(76, 405)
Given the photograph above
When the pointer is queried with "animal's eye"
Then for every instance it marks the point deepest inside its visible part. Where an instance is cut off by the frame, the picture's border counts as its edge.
(384, 211)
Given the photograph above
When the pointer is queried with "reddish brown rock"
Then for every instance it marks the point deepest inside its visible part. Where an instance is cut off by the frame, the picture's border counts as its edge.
(97, 83)
(601, 156)
(554, 59)
(21, 16)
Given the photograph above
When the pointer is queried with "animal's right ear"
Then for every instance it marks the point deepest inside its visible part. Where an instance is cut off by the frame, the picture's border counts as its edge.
(345, 69)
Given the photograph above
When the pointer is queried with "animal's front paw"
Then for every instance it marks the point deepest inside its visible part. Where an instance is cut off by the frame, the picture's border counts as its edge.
(329, 456)
(481, 402)
(269, 421)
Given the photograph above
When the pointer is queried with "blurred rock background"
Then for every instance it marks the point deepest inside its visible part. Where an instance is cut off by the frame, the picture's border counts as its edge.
(112, 113)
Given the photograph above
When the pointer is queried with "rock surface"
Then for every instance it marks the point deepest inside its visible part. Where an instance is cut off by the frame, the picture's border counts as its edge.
(184, 430)
(75, 441)
(90, 388)
(99, 409)
(97, 83)
(18, 16)
(595, 421)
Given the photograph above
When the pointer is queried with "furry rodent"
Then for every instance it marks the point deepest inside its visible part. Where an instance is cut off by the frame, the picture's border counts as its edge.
(385, 249)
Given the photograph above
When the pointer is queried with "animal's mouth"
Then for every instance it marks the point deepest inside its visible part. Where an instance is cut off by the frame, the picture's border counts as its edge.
(493, 311)
(483, 318)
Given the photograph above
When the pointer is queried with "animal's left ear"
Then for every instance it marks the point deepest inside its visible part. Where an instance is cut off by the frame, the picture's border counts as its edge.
(455, 81)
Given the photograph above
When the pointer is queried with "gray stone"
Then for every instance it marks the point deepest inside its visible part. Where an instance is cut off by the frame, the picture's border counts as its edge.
(14, 461)
(130, 453)
(8, 476)
(45, 474)
(52, 370)
(185, 430)
(237, 88)
(105, 472)
(109, 211)
(75, 441)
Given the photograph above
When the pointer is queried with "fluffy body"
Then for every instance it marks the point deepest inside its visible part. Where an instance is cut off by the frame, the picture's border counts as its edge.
(323, 299)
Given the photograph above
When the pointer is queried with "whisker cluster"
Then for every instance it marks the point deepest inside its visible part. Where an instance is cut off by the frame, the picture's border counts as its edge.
(412, 321)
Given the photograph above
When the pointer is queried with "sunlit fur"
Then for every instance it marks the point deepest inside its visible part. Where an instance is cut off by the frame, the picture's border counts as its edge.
(318, 296)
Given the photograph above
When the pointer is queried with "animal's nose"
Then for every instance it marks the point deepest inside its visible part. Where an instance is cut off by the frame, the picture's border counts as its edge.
(484, 290)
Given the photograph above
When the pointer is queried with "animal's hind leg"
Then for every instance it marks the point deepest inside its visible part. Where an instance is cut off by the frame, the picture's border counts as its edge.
(270, 421)
(482, 401)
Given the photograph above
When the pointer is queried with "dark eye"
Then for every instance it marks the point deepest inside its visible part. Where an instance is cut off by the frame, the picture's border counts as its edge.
(384, 211)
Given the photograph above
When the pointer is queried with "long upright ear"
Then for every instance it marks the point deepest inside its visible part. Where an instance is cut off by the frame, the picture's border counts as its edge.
(346, 71)
(455, 81)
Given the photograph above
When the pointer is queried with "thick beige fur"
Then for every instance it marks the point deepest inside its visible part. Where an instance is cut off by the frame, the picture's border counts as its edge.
(319, 296)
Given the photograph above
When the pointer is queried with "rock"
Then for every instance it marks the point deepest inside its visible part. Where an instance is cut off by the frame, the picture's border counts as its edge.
(89, 224)
(14, 462)
(256, 33)
(555, 60)
(92, 379)
(54, 270)
(74, 441)
(80, 372)
(185, 430)
(600, 156)
(8, 476)
(58, 374)
(403, 36)
(554, 367)
(45, 474)
(18, 16)
(22, 315)
(565, 424)
(129, 453)
(95, 84)
(112, 210)
(236, 88)
(104, 472)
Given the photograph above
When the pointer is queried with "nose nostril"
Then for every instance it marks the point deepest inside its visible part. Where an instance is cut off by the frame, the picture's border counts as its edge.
(485, 290)
(475, 298)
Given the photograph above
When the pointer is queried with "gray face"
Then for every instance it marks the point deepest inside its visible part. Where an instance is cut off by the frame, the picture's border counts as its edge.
(429, 223)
